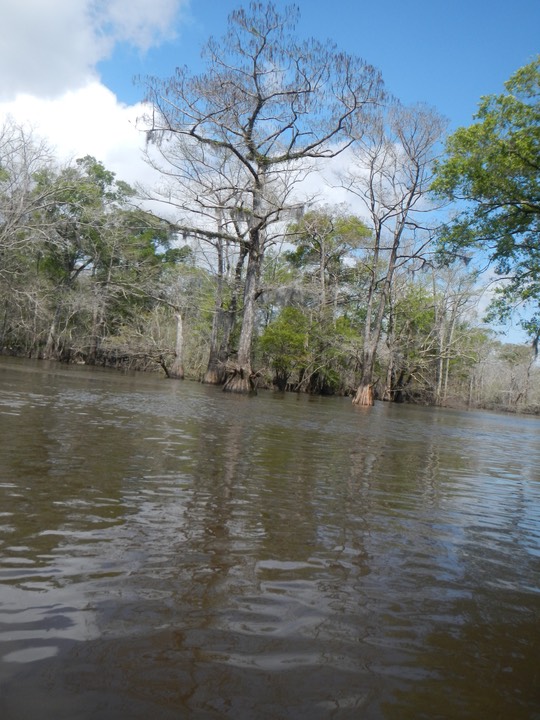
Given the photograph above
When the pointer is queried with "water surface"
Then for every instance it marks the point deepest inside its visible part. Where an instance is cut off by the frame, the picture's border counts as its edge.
(171, 551)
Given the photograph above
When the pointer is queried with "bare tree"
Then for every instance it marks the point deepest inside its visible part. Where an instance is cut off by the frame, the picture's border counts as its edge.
(208, 200)
(24, 158)
(455, 297)
(391, 174)
(267, 107)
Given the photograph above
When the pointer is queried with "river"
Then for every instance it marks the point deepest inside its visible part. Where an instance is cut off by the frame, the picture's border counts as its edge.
(171, 551)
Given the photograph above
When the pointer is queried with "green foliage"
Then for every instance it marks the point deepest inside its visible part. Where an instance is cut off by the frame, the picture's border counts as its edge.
(414, 310)
(323, 239)
(85, 273)
(334, 350)
(178, 255)
(413, 317)
(514, 354)
(493, 166)
(94, 260)
(284, 342)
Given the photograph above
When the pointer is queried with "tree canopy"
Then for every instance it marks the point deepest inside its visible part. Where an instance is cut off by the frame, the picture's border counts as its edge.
(493, 168)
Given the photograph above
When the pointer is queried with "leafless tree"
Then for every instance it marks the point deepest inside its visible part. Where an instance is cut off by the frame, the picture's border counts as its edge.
(22, 157)
(390, 175)
(251, 126)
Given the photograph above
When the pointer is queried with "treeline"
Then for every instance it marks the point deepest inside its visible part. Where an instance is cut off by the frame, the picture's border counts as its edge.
(87, 276)
(243, 279)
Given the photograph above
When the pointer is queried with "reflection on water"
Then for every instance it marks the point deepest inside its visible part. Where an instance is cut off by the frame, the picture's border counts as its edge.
(171, 551)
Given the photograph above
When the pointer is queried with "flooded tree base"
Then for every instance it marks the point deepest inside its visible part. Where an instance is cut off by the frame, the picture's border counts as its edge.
(215, 375)
(176, 375)
(242, 381)
(211, 378)
(364, 396)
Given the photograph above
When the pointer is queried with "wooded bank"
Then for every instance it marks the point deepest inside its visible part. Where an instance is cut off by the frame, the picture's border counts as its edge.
(245, 280)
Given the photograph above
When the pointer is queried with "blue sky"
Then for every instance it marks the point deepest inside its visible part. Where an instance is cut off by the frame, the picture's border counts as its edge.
(67, 66)
(445, 54)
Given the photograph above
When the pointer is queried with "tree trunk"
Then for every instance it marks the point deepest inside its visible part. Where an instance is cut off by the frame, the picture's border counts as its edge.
(241, 377)
(222, 326)
(373, 329)
(213, 375)
(214, 370)
(95, 339)
(388, 393)
(176, 370)
(364, 393)
(3, 332)
(50, 350)
(400, 385)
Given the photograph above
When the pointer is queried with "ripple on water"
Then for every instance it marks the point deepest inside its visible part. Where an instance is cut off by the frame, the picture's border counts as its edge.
(176, 552)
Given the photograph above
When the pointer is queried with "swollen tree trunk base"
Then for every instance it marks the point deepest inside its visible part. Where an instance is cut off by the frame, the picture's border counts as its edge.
(364, 396)
(176, 371)
(215, 375)
(240, 381)
(176, 374)
(211, 377)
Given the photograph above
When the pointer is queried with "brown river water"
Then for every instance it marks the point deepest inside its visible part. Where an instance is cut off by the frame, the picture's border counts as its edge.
(169, 551)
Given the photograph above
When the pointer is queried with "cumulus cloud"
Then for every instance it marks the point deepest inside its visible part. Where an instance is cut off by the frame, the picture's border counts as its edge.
(49, 47)
(49, 53)
(86, 121)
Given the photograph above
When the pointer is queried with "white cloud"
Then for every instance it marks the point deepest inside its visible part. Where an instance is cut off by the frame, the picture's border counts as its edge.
(50, 46)
(86, 121)
(46, 47)
(49, 52)
(141, 22)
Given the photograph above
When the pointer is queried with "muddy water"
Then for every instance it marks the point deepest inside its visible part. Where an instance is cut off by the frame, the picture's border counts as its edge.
(170, 551)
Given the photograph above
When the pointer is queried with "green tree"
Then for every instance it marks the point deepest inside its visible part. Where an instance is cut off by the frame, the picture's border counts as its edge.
(492, 169)
(323, 239)
(284, 342)
(409, 339)
(95, 255)
(326, 240)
